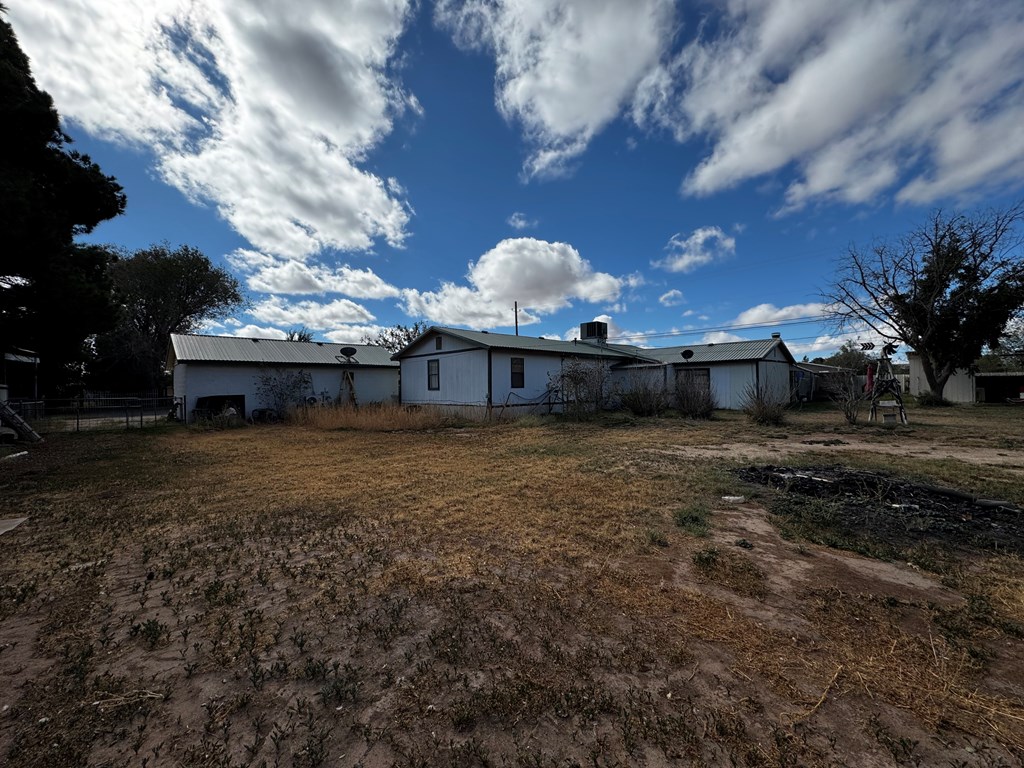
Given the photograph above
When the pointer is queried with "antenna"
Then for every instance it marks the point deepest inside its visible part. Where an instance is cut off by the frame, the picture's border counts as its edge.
(687, 354)
(346, 352)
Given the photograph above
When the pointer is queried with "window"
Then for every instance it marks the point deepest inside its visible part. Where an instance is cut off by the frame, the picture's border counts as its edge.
(437, 342)
(433, 374)
(518, 373)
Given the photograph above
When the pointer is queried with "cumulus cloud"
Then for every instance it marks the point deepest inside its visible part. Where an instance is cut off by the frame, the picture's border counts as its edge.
(704, 246)
(543, 277)
(353, 334)
(258, 332)
(520, 221)
(764, 314)
(312, 314)
(719, 337)
(270, 274)
(260, 112)
(920, 96)
(565, 68)
(672, 298)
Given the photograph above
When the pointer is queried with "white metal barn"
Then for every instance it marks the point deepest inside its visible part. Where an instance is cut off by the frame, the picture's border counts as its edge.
(483, 374)
(732, 368)
(212, 372)
(959, 387)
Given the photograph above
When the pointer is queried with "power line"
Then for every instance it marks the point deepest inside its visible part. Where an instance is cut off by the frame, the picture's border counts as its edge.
(731, 327)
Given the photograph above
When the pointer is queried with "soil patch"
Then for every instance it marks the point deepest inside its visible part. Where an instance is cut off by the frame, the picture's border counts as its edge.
(900, 511)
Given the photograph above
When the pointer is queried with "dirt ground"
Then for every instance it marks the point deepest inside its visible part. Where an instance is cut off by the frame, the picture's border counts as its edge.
(548, 594)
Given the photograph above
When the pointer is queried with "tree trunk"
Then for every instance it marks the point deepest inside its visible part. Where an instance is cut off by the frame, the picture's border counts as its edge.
(936, 378)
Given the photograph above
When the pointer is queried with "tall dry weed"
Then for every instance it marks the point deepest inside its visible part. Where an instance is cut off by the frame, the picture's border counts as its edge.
(377, 417)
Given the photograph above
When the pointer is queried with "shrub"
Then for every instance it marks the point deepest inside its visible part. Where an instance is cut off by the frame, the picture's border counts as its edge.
(693, 519)
(843, 389)
(281, 389)
(695, 398)
(644, 394)
(763, 406)
(581, 385)
(931, 400)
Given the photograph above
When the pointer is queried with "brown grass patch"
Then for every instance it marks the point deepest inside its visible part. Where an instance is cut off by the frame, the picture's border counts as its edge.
(329, 594)
(376, 417)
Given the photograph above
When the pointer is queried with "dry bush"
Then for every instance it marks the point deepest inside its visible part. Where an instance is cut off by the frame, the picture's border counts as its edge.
(695, 398)
(644, 394)
(764, 407)
(845, 390)
(376, 417)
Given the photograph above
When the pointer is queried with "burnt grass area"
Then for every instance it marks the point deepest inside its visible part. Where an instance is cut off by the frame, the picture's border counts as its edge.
(884, 515)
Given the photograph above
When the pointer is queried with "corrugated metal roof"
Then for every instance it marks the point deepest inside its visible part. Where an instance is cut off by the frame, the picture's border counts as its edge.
(725, 352)
(231, 349)
(535, 344)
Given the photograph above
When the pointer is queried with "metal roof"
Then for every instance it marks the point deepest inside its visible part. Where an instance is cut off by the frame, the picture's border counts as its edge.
(486, 340)
(724, 352)
(232, 349)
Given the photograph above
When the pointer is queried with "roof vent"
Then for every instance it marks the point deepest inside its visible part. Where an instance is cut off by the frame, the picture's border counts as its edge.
(484, 331)
(776, 335)
(594, 331)
(255, 341)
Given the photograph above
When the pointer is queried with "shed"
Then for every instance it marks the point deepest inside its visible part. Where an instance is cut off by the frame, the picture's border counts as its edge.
(211, 372)
(959, 388)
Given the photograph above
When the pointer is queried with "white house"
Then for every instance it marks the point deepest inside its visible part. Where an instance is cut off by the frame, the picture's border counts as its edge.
(211, 372)
(478, 373)
(497, 374)
(732, 368)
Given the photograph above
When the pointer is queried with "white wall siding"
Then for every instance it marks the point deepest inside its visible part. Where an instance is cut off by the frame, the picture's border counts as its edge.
(195, 380)
(537, 373)
(959, 387)
(774, 377)
(462, 377)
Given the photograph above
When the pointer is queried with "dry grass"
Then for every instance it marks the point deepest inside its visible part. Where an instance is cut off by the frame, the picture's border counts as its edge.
(378, 417)
(301, 595)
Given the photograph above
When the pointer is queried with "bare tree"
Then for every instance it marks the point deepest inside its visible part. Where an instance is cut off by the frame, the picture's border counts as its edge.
(396, 337)
(844, 389)
(947, 288)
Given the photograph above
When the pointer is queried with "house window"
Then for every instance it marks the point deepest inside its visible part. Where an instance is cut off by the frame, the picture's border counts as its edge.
(437, 342)
(518, 373)
(433, 374)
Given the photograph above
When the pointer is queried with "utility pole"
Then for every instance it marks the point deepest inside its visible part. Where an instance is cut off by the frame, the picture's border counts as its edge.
(517, 317)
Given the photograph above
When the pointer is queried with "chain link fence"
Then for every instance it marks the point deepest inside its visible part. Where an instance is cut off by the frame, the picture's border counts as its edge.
(80, 414)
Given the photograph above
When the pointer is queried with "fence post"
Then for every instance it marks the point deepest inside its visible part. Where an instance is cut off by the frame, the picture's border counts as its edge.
(78, 417)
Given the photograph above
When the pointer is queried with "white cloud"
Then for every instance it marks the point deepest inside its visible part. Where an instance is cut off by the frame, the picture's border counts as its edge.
(269, 274)
(353, 334)
(543, 277)
(315, 315)
(247, 105)
(920, 96)
(258, 332)
(719, 337)
(672, 298)
(704, 246)
(769, 313)
(519, 220)
(565, 68)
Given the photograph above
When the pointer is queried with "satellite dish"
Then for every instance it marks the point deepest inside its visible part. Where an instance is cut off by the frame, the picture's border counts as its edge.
(349, 351)
(687, 354)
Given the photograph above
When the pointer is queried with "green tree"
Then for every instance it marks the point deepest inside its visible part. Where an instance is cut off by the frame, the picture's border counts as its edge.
(948, 288)
(849, 356)
(158, 291)
(53, 293)
(397, 336)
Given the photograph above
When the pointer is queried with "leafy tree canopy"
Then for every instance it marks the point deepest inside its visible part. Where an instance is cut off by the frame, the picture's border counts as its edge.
(53, 293)
(849, 356)
(397, 336)
(159, 291)
(947, 289)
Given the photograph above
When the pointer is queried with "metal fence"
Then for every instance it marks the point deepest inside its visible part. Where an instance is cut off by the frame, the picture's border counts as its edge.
(78, 414)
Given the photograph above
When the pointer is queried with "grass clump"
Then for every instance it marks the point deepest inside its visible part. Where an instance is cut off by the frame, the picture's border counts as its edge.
(738, 573)
(764, 407)
(694, 519)
(376, 417)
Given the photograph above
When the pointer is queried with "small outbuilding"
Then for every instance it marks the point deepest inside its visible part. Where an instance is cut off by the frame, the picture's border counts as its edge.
(215, 373)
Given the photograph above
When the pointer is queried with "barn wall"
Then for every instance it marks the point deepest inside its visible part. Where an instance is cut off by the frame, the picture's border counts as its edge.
(959, 388)
(195, 380)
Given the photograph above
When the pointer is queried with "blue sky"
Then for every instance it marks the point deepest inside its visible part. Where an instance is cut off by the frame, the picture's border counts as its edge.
(676, 169)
